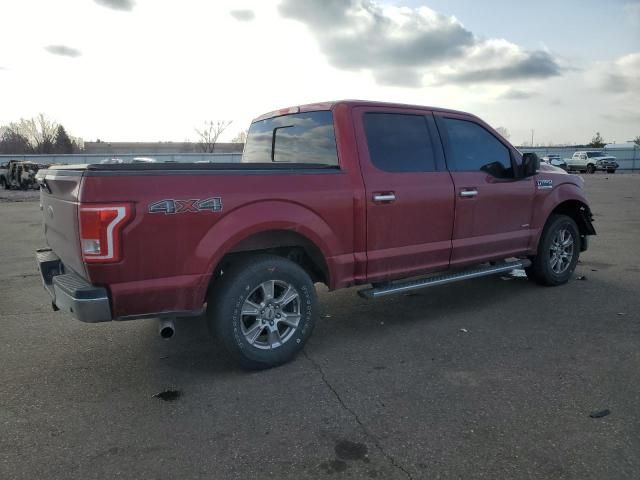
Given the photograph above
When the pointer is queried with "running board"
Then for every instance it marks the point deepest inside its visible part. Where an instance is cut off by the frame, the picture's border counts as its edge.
(398, 287)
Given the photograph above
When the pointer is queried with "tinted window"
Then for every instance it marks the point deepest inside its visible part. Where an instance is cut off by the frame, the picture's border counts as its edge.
(399, 143)
(298, 138)
(473, 148)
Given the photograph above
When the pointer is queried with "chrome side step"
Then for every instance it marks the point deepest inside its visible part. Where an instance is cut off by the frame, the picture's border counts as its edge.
(398, 287)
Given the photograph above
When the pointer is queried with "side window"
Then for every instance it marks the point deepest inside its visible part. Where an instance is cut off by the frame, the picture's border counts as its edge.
(399, 142)
(473, 148)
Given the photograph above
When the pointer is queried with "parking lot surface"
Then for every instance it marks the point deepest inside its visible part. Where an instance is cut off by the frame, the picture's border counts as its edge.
(490, 378)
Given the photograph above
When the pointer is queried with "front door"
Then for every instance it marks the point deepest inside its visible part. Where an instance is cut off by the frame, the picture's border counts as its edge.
(493, 203)
(410, 198)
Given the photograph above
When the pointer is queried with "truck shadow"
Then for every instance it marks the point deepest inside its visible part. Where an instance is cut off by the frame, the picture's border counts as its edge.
(345, 318)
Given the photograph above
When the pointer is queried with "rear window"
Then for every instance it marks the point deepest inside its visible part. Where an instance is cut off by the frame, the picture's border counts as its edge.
(297, 138)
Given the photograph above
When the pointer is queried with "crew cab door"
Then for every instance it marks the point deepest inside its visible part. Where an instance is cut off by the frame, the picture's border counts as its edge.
(493, 203)
(409, 193)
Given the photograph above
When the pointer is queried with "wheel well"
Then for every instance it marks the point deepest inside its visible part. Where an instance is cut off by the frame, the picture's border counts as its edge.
(284, 243)
(579, 212)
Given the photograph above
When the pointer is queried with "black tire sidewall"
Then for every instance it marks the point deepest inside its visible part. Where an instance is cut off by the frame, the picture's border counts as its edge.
(225, 308)
(544, 266)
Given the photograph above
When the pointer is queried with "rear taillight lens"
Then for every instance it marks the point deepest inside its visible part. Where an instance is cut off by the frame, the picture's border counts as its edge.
(100, 227)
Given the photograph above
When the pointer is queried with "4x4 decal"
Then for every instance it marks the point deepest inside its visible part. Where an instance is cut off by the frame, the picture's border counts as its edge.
(171, 207)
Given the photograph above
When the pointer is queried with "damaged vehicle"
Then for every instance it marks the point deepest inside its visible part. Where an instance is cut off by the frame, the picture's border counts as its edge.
(22, 175)
(386, 196)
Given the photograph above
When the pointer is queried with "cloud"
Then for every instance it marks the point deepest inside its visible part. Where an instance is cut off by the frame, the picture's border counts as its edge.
(518, 66)
(63, 51)
(125, 5)
(515, 94)
(623, 76)
(243, 15)
(404, 46)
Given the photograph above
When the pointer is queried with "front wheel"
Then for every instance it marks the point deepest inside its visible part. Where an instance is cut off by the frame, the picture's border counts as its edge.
(263, 310)
(558, 252)
(611, 170)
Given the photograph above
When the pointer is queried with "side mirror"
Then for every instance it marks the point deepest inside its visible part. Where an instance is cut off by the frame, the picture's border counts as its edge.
(530, 164)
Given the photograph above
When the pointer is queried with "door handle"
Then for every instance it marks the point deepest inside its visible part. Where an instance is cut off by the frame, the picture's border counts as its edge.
(384, 197)
(468, 193)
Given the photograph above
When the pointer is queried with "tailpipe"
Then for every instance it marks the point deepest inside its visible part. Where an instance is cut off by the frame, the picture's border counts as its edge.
(166, 329)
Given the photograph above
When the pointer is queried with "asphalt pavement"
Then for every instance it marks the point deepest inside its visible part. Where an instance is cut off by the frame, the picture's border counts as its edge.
(492, 378)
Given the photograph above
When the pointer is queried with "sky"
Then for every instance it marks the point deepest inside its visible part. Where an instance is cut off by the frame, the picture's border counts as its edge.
(155, 70)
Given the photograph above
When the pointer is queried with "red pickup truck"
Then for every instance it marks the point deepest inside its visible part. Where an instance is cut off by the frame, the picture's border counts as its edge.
(343, 193)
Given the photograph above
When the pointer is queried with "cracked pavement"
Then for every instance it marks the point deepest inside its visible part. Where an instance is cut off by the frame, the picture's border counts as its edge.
(490, 378)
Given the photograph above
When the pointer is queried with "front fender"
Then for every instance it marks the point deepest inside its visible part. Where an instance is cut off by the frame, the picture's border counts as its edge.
(547, 201)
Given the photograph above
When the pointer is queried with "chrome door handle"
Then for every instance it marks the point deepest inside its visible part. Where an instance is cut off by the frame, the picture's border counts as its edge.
(468, 193)
(384, 197)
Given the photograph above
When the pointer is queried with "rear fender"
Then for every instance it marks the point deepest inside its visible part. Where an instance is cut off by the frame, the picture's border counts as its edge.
(255, 218)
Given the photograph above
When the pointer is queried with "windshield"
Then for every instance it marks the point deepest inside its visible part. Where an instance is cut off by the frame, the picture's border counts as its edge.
(297, 138)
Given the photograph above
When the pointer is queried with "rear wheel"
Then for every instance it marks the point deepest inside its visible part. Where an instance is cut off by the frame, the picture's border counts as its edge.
(3, 183)
(611, 170)
(591, 168)
(558, 252)
(263, 310)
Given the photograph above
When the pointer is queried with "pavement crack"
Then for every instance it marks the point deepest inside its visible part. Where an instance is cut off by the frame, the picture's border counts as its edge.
(394, 463)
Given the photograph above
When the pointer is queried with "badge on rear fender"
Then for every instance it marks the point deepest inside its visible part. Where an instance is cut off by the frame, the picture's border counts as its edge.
(171, 206)
(544, 184)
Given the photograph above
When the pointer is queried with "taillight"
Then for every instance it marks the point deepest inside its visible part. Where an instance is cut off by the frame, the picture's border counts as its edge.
(100, 227)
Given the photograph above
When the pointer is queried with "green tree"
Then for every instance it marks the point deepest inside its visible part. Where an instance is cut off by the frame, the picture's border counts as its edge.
(62, 143)
(597, 141)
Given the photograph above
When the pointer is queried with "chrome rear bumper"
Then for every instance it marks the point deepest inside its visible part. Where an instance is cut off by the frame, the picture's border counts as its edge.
(71, 292)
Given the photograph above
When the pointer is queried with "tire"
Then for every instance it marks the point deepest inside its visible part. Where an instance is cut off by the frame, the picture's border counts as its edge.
(560, 237)
(264, 284)
(591, 168)
(611, 171)
(3, 183)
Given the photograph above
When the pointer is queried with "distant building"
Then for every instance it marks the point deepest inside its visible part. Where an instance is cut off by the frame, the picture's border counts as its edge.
(118, 148)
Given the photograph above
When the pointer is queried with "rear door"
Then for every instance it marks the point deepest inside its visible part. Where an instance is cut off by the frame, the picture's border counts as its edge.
(409, 193)
(59, 201)
(493, 204)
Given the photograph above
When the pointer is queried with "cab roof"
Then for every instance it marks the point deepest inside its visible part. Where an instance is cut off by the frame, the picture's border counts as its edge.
(330, 105)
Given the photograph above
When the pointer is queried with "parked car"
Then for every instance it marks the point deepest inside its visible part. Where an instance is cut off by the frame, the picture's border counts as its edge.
(555, 160)
(592, 161)
(344, 193)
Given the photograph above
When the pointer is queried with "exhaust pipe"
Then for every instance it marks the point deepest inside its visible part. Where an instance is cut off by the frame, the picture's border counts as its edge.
(166, 329)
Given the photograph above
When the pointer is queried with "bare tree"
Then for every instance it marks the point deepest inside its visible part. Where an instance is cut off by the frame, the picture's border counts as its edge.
(504, 132)
(637, 141)
(208, 136)
(241, 137)
(39, 131)
(14, 142)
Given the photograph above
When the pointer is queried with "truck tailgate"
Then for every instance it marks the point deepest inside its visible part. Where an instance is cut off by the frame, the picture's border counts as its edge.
(59, 200)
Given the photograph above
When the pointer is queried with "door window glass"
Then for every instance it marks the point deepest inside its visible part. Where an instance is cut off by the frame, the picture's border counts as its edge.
(473, 148)
(398, 142)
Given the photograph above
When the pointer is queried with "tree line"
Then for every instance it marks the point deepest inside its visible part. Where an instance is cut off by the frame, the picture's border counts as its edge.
(37, 135)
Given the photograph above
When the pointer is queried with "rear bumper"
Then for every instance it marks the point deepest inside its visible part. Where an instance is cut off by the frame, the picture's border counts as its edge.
(72, 293)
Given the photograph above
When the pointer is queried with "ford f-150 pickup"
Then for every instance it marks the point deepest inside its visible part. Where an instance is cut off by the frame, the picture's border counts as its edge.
(395, 197)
